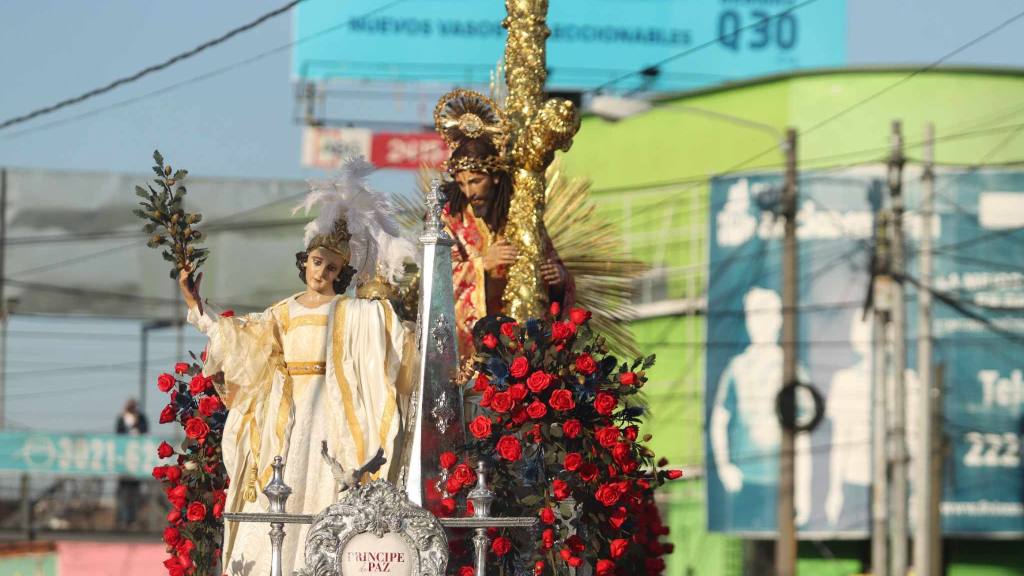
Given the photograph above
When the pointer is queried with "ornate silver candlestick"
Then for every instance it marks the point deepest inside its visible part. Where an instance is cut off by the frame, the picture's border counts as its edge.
(277, 492)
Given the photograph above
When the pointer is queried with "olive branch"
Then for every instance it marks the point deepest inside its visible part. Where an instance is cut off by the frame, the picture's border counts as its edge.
(169, 225)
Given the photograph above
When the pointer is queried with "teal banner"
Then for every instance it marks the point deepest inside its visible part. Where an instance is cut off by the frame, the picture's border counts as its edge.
(683, 44)
(78, 454)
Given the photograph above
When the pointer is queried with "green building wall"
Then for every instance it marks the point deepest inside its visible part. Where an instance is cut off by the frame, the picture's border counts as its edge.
(650, 179)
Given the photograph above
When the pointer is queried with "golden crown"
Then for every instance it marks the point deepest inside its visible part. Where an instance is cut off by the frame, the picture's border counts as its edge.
(463, 115)
(336, 241)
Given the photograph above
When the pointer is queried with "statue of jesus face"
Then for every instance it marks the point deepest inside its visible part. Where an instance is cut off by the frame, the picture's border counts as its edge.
(322, 268)
(478, 188)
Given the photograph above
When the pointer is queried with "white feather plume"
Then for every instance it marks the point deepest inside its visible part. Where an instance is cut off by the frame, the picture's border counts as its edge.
(377, 244)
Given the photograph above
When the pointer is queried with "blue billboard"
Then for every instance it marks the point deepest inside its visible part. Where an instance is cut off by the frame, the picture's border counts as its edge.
(592, 43)
(978, 322)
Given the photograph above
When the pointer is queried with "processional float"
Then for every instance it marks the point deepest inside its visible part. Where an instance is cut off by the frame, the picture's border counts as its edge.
(387, 529)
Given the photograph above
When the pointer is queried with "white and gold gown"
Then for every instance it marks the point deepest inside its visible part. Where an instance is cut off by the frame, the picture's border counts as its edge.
(293, 377)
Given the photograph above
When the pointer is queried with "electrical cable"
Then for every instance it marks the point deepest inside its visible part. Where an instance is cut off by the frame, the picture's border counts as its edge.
(149, 69)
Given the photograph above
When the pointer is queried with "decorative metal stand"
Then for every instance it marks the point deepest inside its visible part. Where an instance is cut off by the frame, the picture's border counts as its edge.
(436, 418)
(481, 496)
(277, 492)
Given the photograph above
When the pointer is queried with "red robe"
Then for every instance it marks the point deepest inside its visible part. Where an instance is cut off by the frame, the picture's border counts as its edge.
(478, 293)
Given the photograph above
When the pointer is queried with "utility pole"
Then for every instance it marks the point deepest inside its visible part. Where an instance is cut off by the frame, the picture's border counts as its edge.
(926, 544)
(785, 546)
(3, 298)
(899, 359)
(881, 298)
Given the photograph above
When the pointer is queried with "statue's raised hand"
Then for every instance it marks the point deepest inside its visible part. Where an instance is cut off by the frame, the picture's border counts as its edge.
(190, 288)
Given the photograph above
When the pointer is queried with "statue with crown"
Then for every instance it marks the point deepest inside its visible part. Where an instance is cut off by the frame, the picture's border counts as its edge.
(452, 393)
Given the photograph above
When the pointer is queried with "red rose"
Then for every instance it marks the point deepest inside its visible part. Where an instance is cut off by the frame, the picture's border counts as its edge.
(630, 432)
(605, 403)
(227, 313)
(447, 506)
(197, 428)
(673, 474)
(518, 392)
(588, 471)
(168, 414)
(164, 450)
(208, 405)
(177, 496)
(622, 453)
(173, 567)
(547, 516)
(218, 509)
(452, 485)
(561, 400)
(181, 368)
(618, 517)
(536, 410)
(607, 436)
(198, 384)
(501, 546)
(196, 512)
(490, 341)
(628, 379)
(562, 331)
(171, 536)
(607, 494)
(520, 366)
(548, 539)
(159, 472)
(539, 382)
(538, 568)
(173, 474)
(519, 416)
(165, 382)
(619, 547)
(575, 544)
(578, 316)
(470, 510)
(480, 427)
(560, 489)
(502, 402)
(464, 475)
(448, 459)
(481, 382)
(555, 309)
(174, 517)
(467, 571)
(202, 355)
(585, 364)
(510, 448)
(535, 434)
(488, 395)
(573, 461)
(572, 428)
(605, 567)
(509, 329)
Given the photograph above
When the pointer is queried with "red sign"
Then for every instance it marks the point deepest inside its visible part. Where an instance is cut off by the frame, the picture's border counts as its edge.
(407, 151)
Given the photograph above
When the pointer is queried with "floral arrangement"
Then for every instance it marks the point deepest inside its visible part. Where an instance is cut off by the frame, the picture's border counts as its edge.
(559, 426)
(196, 482)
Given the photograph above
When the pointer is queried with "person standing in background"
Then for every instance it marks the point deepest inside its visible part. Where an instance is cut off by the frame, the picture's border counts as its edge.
(129, 490)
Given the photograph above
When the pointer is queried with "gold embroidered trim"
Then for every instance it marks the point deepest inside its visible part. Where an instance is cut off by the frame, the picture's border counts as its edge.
(338, 347)
(306, 368)
(307, 320)
(390, 404)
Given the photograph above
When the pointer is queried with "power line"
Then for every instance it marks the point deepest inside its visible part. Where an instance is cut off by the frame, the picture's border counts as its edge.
(149, 69)
(200, 77)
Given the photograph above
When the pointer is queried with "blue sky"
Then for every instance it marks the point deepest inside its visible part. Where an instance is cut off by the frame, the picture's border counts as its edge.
(240, 123)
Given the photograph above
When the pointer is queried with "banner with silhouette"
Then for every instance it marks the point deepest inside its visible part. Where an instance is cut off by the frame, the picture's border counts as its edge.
(978, 324)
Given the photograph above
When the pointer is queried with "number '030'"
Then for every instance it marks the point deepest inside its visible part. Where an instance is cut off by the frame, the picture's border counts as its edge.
(760, 30)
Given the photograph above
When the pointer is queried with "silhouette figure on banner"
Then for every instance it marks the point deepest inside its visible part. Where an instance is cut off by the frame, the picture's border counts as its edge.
(744, 429)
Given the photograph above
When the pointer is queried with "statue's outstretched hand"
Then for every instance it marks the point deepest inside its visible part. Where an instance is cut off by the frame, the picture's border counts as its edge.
(190, 288)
